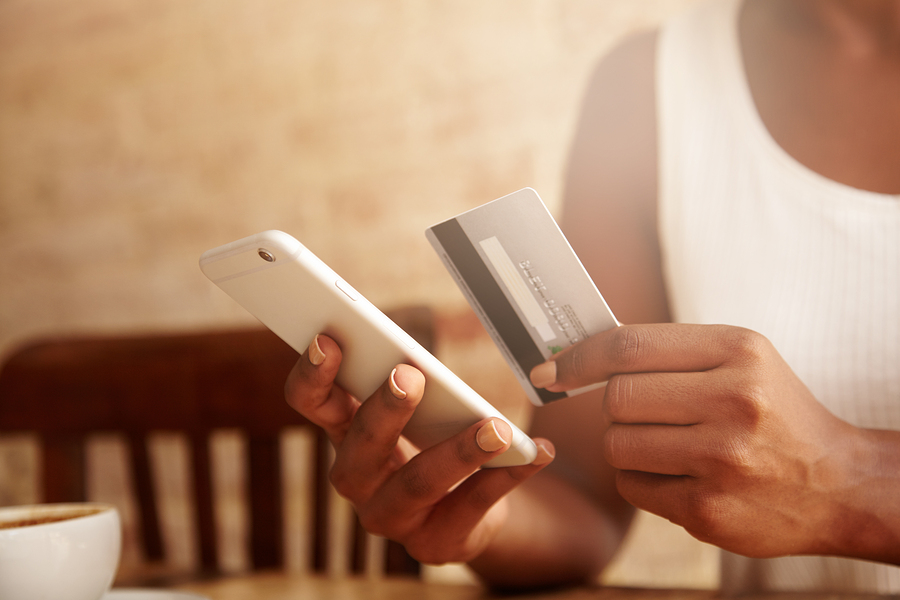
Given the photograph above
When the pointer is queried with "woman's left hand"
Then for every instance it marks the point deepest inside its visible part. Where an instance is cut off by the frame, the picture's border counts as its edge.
(711, 429)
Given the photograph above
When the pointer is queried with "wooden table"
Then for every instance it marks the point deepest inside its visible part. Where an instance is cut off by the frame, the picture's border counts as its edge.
(279, 586)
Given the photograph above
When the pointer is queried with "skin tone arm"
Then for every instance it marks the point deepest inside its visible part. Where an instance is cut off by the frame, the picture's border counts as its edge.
(609, 218)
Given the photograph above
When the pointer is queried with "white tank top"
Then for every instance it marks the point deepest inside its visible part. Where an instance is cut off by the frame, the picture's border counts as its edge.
(751, 237)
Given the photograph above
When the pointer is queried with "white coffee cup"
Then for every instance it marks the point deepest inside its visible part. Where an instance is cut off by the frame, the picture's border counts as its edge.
(65, 551)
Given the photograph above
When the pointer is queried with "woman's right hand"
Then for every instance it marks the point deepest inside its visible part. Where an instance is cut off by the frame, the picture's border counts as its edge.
(437, 503)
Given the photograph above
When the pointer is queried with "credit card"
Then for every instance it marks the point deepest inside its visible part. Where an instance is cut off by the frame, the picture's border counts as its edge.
(524, 281)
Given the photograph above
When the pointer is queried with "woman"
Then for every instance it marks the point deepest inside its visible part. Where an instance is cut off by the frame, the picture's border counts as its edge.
(738, 168)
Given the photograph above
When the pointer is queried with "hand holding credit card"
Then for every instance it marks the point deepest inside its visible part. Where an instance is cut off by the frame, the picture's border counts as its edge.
(524, 281)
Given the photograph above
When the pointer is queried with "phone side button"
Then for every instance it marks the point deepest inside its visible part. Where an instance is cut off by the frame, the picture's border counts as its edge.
(347, 289)
(401, 335)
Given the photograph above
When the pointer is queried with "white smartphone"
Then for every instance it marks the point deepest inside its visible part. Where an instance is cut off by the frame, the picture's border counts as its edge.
(296, 295)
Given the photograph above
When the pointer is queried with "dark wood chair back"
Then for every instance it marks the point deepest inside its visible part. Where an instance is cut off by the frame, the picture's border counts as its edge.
(65, 390)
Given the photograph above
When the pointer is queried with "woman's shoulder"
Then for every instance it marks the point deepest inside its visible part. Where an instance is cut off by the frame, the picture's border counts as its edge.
(609, 211)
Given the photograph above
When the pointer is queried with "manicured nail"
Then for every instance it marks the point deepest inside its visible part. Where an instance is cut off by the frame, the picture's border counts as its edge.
(395, 389)
(544, 375)
(316, 356)
(488, 438)
(544, 455)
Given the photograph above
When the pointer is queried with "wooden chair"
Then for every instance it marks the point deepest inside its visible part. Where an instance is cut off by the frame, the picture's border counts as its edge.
(65, 390)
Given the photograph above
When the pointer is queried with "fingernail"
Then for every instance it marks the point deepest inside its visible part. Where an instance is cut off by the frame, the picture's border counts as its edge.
(395, 389)
(544, 375)
(316, 356)
(544, 455)
(488, 438)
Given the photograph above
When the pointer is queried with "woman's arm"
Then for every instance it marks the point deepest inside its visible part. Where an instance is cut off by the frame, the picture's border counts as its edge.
(707, 425)
(565, 524)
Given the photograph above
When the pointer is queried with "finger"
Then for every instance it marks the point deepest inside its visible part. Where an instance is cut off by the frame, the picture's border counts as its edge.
(468, 517)
(661, 398)
(466, 505)
(426, 478)
(664, 347)
(311, 391)
(708, 450)
(658, 449)
(655, 493)
(370, 443)
(709, 513)
(685, 501)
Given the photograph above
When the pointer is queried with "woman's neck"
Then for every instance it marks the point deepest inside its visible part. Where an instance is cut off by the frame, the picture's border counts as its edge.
(825, 78)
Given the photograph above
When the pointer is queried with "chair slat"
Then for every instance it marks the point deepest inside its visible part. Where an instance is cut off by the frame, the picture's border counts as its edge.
(145, 491)
(205, 516)
(266, 534)
(63, 477)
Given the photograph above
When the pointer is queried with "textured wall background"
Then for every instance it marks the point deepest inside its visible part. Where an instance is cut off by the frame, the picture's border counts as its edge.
(133, 136)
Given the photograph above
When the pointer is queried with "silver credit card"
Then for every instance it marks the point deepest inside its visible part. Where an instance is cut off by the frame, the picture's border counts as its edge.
(522, 278)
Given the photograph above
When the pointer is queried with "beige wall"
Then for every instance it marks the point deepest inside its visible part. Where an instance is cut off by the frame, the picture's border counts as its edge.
(133, 136)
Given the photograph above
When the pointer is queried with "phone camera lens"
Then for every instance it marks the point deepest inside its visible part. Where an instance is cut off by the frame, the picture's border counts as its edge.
(266, 255)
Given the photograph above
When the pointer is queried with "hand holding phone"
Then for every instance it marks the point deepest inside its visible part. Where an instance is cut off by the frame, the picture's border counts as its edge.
(297, 296)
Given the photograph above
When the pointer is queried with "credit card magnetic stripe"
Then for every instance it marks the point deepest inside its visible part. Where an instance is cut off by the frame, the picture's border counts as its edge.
(493, 301)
